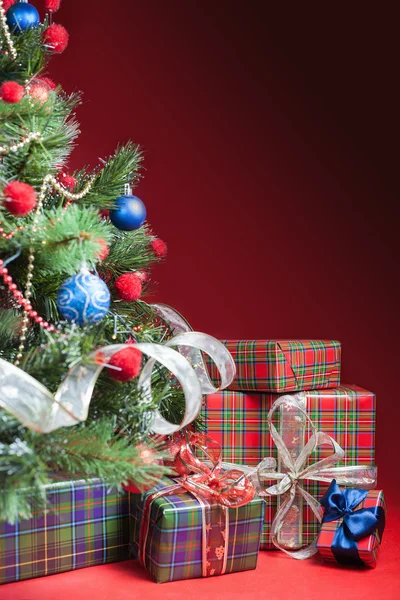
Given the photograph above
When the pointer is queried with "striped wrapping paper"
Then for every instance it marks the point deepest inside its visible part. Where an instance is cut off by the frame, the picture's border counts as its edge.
(282, 365)
(87, 524)
(174, 543)
(238, 421)
(368, 547)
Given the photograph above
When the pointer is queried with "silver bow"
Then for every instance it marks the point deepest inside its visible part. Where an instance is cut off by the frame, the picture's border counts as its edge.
(294, 472)
(37, 408)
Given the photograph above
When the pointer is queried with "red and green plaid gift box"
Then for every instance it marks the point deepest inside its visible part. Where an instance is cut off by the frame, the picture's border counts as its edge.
(174, 546)
(86, 523)
(238, 422)
(282, 365)
(368, 547)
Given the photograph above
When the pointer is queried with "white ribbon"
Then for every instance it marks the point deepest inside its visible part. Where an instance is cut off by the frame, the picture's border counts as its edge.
(192, 351)
(296, 472)
(35, 407)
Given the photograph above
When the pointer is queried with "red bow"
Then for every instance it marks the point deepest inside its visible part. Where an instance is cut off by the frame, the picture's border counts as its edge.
(229, 488)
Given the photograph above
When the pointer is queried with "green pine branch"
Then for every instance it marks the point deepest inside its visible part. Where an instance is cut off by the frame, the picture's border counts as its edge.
(68, 240)
(94, 450)
(32, 56)
(120, 168)
(120, 414)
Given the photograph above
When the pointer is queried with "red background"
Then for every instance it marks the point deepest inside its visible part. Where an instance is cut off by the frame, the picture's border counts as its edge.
(270, 171)
(269, 166)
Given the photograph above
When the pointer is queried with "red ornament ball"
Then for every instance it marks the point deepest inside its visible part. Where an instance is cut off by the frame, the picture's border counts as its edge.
(128, 361)
(11, 92)
(143, 276)
(148, 458)
(20, 198)
(56, 37)
(105, 213)
(159, 248)
(147, 455)
(39, 91)
(103, 252)
(52, 85)
(128, 287)
(52, 5)
(134, 489)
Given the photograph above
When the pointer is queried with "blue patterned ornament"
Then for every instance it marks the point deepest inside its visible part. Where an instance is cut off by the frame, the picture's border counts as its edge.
(129, 213)
(83, 298)
(22, 16)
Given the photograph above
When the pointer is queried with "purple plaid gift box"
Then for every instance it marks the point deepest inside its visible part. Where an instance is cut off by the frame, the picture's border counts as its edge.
(182, 543)
(87, 523)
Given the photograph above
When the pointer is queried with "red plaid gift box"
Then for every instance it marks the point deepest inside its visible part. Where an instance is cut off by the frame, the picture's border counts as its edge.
(282, 365)
(367, 547)
(238, 422)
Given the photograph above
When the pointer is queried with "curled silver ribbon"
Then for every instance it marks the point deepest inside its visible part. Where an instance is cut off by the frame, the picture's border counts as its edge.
(193, 350)
(296, 471)
(35, 407)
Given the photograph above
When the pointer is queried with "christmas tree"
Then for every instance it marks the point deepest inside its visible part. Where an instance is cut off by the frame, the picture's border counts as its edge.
(75, 256)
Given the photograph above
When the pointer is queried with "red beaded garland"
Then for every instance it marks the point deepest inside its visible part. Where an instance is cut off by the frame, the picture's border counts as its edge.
(23, 302)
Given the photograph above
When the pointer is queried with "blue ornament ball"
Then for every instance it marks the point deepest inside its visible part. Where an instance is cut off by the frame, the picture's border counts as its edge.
(22, 16)
(83, 298)
(129, 213)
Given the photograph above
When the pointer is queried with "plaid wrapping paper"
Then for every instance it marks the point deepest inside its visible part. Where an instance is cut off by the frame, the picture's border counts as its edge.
(174, 543)
(368, 547)
(87, 524)
(238, 422)
(281, 365)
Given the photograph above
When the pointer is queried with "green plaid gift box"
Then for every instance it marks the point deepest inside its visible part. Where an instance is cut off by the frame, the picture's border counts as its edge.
(282, 365)
(174, 546)
(87, 523)
(238, 422)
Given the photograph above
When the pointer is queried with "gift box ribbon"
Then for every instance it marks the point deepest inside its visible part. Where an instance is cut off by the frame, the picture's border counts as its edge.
(214, 490)
(356, 523)
(293, 460)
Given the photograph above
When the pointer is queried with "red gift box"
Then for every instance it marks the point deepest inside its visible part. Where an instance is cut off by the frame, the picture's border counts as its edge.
(282, 365)
(367, 547)
(238, 422)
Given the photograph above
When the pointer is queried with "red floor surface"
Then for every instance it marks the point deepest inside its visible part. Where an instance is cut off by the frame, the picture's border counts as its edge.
(277, 577)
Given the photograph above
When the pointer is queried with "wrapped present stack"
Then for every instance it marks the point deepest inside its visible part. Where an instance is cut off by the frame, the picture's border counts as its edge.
(238, 418)
(287, 462)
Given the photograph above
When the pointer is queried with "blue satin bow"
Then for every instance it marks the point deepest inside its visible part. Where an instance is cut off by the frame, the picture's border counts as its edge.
(356, 524)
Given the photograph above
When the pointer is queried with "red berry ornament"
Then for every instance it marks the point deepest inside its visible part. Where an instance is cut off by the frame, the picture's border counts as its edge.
(11, 92)
(128, 287)
(159, 248)
(7, 4)
(128, 362)
(56, 37)
(19, 198)
(68, 181)
(103, 252)
(52, 5)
